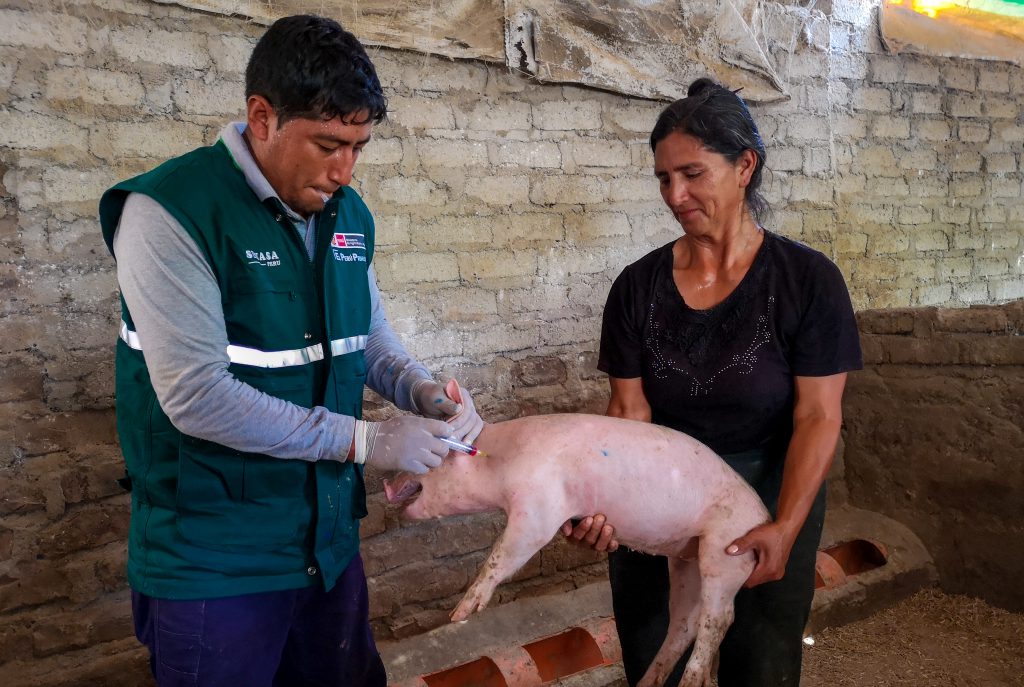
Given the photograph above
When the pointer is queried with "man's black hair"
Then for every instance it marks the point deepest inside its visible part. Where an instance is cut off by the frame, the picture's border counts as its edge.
(309, 67)
(721, 121)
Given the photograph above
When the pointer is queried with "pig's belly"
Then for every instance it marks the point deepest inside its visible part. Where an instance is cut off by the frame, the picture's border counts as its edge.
(658, 514)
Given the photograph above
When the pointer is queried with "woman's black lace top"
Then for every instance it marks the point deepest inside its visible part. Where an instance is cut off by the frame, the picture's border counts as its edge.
(725, 375)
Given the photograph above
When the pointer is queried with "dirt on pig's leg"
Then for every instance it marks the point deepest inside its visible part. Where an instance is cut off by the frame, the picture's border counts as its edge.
(683, 609)
(721, 577)
(524, 536)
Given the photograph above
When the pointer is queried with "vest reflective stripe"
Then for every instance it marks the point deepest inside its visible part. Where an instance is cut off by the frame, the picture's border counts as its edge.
(348, 345)
(255, 357)
(129, 337)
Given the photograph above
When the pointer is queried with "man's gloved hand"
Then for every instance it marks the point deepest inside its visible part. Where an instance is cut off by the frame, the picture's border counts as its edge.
(432, 401)
(402, 443)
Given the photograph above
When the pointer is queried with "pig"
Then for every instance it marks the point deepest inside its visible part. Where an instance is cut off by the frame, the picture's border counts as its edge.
(665, 493)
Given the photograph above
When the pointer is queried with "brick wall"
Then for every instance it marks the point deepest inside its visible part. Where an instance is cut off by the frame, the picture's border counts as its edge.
(504, 210)
(935, 437)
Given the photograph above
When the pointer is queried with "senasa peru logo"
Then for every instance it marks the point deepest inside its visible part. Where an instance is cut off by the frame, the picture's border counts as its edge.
(266, 258)
(344, 245)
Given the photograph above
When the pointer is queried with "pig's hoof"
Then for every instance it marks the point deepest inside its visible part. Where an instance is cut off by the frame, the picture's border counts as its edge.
(651, 679)
(467, 607)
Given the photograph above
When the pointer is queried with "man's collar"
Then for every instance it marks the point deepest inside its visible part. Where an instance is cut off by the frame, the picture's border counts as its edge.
(232, 135)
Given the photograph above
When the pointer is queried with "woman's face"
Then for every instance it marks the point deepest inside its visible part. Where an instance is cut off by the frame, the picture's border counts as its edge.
(701, 187)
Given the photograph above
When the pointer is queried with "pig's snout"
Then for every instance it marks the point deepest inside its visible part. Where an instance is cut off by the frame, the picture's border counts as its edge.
(402, 489)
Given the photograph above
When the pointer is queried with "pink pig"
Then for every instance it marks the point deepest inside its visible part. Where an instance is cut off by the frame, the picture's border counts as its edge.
(665, 492)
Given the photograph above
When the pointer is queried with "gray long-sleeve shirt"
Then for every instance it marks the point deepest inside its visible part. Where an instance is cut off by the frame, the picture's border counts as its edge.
(175, 303)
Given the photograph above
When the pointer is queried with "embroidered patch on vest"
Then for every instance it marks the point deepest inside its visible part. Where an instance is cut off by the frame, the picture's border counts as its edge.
(266, 258)
(349, 241)
(342, 244)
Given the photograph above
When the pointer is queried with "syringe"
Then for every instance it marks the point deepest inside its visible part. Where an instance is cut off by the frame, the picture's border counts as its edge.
(468, 449)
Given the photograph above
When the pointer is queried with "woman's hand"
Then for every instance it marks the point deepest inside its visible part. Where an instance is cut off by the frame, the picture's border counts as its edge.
(771, 544)
(592, 531)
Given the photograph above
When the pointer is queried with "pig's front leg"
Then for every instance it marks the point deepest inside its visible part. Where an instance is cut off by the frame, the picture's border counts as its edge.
(524, 535)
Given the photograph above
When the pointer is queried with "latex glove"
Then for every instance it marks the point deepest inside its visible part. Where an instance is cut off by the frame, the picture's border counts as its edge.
(432, 400)
(593, 532)
(402, 443)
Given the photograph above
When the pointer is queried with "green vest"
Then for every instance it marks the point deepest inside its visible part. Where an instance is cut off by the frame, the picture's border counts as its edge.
(207, 520)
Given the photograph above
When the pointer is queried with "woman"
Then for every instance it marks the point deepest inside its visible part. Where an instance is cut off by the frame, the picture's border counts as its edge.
(742, 339)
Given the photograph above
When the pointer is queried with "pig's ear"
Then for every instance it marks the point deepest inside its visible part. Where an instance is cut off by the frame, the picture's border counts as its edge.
(453, 391)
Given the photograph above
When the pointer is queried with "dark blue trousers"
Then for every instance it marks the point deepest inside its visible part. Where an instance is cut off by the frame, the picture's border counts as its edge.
(763, 646)
(299, 637)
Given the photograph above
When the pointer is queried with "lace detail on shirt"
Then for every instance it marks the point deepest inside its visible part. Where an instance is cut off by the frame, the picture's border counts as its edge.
(678, 332)
(701, 386)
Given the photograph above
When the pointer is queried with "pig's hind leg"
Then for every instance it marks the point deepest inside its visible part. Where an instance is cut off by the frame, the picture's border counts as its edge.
(524, 535)
(683, 608)
(721, 577)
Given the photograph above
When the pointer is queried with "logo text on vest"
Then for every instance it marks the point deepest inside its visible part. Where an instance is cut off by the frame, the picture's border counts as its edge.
(267, 258)
(344, 246)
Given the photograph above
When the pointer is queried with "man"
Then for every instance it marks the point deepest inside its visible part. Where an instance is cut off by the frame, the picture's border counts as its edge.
(251, 322)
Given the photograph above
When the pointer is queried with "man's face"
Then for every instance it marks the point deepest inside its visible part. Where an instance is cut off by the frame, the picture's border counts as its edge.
(306, 160)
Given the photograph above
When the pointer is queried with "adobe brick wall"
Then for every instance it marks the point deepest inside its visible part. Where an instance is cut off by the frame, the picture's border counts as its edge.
(935, 439)
(504, 209)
